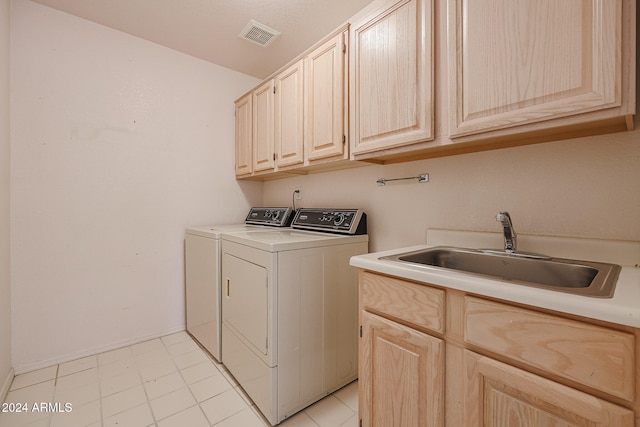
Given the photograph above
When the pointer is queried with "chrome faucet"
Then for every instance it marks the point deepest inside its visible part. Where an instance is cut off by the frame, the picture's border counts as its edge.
(509, 233)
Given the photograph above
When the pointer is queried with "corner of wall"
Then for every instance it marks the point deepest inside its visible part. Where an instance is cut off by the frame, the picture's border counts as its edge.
(6, 370)
(4, 389)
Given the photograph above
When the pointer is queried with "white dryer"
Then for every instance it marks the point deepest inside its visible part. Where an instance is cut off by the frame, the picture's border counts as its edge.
(203, 269)
(290, 309)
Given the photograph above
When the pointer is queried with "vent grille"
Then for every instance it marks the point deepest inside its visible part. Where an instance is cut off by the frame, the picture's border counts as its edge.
(259, 33)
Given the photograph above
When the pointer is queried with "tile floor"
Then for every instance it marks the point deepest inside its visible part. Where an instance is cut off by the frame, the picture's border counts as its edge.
(165, 382)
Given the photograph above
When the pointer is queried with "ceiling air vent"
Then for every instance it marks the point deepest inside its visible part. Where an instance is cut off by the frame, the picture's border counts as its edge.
(258, 33)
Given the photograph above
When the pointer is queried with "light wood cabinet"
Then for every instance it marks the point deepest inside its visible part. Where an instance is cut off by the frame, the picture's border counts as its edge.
(499, 395)
(263, 133)
(401, 368)
(513, 64)
(326, 107)
(289, 116)
(490, 363)
(244, 136)
(299, 115)
(401, 378)
(392, 77)
(415, 305)
(562, 347)
(415, 79)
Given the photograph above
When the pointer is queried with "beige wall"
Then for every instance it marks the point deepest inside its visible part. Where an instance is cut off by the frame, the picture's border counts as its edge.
(585, 187)
(118, 144)
(5, 296)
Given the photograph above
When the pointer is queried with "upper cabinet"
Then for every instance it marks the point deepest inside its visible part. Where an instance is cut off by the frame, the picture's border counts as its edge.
(413, 79)
(326, 108)
(519, 63)
(244, 136)
(299, 115)
(391, 79)
(263, 135)
(288, 116)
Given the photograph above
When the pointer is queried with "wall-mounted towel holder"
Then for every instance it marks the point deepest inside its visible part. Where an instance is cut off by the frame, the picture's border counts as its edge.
(423, 177)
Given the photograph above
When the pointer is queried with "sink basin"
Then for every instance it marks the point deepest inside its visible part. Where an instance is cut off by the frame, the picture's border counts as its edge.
(577, 277)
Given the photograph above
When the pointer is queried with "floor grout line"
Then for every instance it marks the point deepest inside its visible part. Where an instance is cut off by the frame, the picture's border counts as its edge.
(185, 382)
(133, 357)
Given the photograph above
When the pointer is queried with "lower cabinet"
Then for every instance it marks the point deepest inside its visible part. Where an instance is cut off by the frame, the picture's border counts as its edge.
(499, 395)
(401, 375)
(431, 356)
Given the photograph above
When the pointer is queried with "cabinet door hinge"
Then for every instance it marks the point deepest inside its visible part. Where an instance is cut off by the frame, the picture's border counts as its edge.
(344, 48)
(274, 89)
(274, 157)
(344, 139)
(360, 422)
(360, 331)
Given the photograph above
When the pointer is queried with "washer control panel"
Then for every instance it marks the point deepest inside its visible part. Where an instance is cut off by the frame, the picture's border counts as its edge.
(343, 221)
(275, 217)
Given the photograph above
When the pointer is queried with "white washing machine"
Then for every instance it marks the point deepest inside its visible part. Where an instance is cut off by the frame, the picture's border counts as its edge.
(203, 270)
(290, 309)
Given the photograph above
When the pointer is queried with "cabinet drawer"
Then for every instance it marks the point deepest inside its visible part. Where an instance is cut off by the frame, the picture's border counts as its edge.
(416, 304)
(591, 355)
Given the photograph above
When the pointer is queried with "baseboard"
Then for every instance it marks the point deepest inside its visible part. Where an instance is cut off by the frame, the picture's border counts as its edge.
(21, 369)
(6, 384)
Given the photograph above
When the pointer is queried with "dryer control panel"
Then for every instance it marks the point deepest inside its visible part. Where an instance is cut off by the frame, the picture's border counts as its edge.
(342, 221)
(274, 217)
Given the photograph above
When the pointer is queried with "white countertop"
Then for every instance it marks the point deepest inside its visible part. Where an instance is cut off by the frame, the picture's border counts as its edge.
(623, 308)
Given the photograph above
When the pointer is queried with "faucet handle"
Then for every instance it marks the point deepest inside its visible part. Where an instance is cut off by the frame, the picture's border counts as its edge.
(503, 216)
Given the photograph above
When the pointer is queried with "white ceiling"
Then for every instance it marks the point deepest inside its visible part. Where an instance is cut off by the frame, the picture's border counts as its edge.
(208, 29)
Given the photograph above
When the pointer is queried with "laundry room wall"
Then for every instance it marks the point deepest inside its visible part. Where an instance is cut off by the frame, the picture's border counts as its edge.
(585, 187)
(5, 297)
(118, 144)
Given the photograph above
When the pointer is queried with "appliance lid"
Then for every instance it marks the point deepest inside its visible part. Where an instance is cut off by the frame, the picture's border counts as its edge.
(274, 217)
(290, 239)
(215, 231)
(341, 221)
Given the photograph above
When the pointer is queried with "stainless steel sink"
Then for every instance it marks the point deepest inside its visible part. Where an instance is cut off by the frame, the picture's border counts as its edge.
(586, 278)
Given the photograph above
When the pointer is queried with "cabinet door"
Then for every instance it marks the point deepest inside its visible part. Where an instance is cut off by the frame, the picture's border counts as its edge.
(401, 375)
(325, 108)
(499, 395)
(244, 136)
(392, 79)
(263, 135)
(289, 87)
(519, 62)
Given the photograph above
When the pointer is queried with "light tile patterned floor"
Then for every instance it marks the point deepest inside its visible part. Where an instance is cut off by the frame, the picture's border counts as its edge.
(165, 382)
